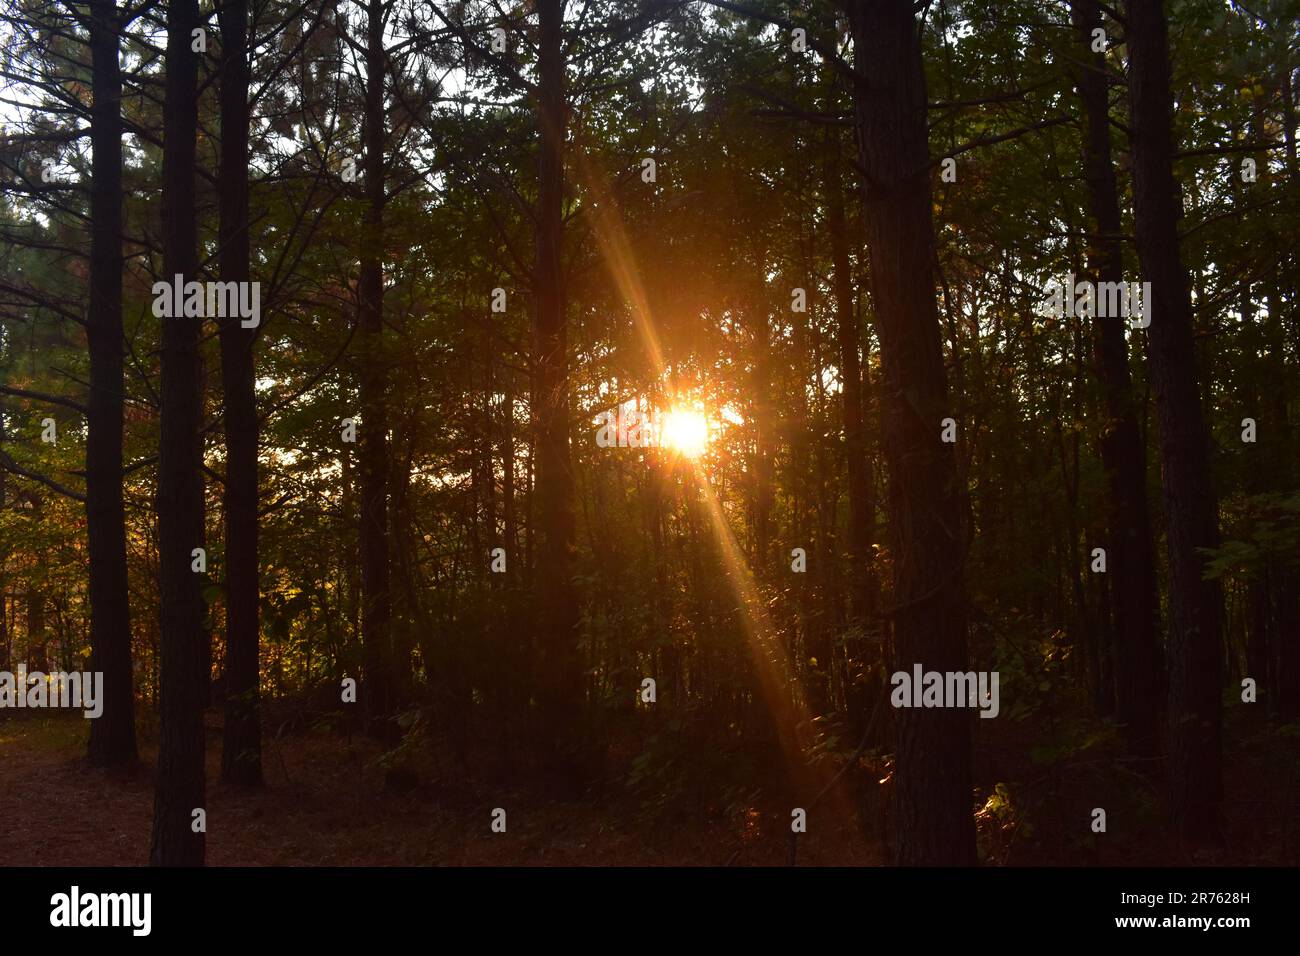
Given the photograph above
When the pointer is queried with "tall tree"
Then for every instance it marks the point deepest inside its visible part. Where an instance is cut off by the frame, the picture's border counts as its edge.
(1131, 550)
(376, 615)
(927, 538)
(861, 480)
(241, 752)
(180, 781)
(1191, 510)
(112, 736)
(561, 676)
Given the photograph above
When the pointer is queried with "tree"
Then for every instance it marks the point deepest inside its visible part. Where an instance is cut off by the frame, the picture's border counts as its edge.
(241, 752)
(373, 452)
(112, 736)
(1195, 650)
(1124, 459)
(557, 601)
(180, 777)
(926, 526)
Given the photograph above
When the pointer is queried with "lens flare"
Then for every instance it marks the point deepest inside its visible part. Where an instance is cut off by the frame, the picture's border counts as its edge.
(685, 431)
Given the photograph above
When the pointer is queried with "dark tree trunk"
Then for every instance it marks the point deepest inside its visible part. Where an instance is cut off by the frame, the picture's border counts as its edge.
(376, 624)
(1287, 670)
(516, 618)
(241, 746)
(1130, 552)
(509, 517)
(859, 696)
(406, 594)
(1195, 658)
(180, 783)
(1286, 625)
(1278, 634)
(112, 735)
(933, 770)
(861, 505)
(6, 655)
(38, 657)
(763, 464)
(561, 673)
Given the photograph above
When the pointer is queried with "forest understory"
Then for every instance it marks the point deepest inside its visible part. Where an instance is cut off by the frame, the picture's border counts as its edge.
(334, 798)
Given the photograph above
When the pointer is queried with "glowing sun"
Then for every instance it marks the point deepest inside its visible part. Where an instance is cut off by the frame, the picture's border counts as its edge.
(685, 431)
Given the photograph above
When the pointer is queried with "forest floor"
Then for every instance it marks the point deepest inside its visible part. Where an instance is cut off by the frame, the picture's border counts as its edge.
(328, 801)
(1047, 777)
(326, 804)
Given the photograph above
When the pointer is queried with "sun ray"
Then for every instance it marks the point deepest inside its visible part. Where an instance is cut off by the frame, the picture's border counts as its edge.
(686, 431)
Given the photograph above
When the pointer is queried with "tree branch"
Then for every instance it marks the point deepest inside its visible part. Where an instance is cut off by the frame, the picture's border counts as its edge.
(43, 397)
(7, 462)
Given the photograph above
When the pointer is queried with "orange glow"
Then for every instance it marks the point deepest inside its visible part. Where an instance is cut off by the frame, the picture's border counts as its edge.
(685, 431)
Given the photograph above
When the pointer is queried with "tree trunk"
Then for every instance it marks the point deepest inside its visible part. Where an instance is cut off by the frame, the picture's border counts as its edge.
(859, 697)
(927, 538)
(861, 505)
(1131, 552)
(38, 658)
(6, 651)
(561, 674)
(763, 463)
(514, 680)
(241, 746)
(1195, 661)
(112, 735)
(1281, 573)
(513, 557)
(180, 783)
(373, 447)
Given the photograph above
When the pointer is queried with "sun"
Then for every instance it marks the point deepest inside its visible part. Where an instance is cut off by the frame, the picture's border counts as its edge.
(685, 431)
